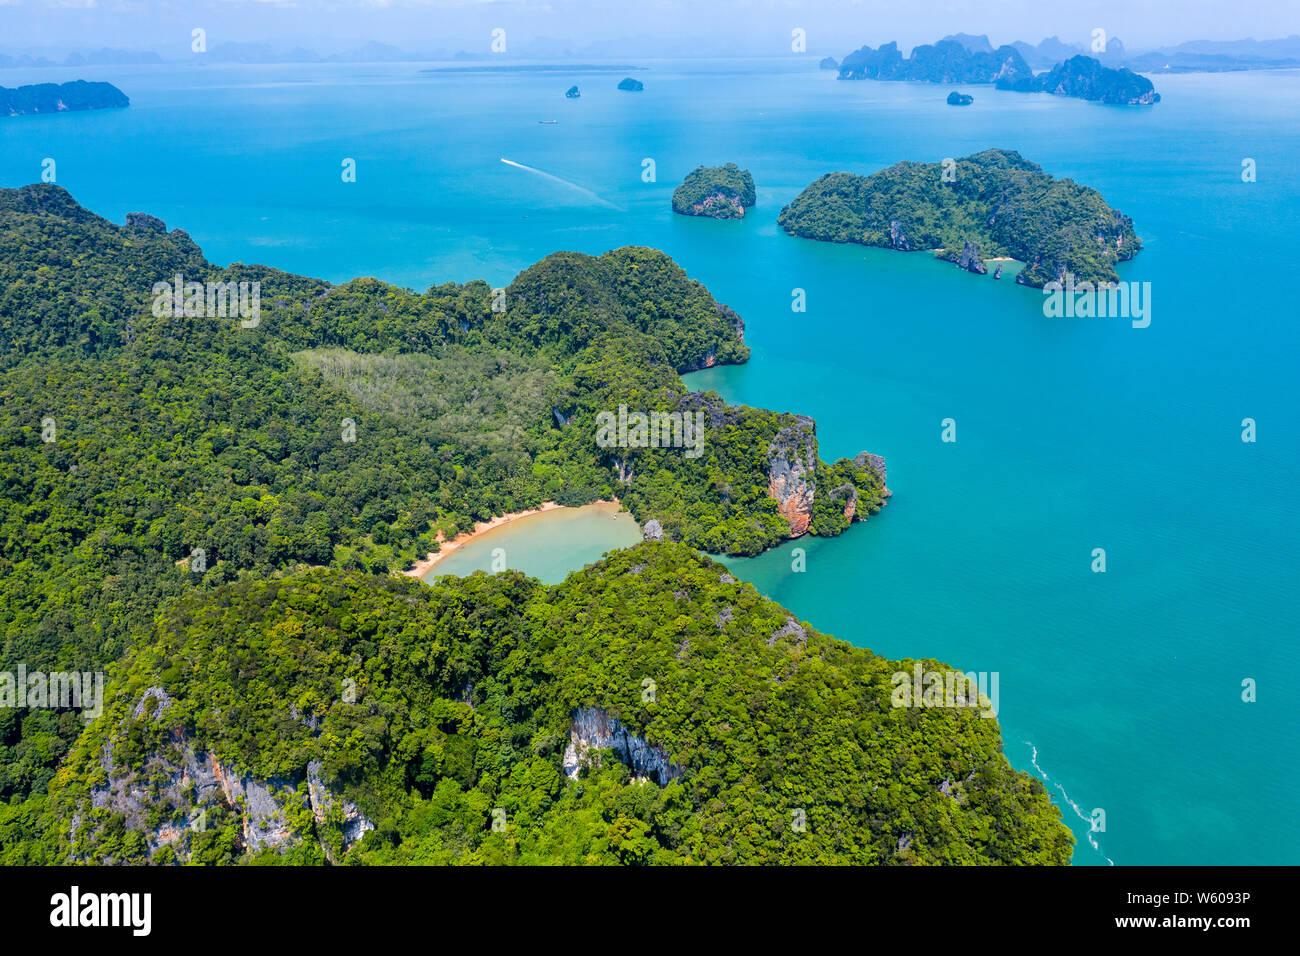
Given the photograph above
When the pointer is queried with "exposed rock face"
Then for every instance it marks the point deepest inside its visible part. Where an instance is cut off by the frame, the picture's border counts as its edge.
(877, 465)
(791, 628)
(848, 494)
(264, 821)
(792, 460)
(192, 780)
(653, 531)
(970, 259)
(354, 825)
(593, 729)
(720, 192)
(897, 238)
(710, 356)
(144, 222)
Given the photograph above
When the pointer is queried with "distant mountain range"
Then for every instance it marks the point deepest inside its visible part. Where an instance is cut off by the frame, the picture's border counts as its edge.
(1193, 56)
(104, 57)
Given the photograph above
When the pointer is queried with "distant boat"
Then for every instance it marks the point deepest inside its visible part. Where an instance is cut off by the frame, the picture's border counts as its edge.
(548, 122)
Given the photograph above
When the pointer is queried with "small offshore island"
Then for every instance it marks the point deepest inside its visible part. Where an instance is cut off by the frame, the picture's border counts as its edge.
(61, 98)
(631, 85)
(960, 99)
(996, 205)
(1085, 78)
(718, 192)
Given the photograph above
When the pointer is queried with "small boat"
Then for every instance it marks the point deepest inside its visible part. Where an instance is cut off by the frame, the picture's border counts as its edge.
(548, 122)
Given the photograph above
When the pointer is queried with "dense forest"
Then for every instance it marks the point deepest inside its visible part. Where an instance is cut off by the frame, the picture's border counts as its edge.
(440, 717)
(996, 200)
(144, 456)
(211, 508)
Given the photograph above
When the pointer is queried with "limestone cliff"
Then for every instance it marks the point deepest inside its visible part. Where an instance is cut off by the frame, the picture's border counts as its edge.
(166, 797)
(792, 462)
(593, 729)
(852, 489)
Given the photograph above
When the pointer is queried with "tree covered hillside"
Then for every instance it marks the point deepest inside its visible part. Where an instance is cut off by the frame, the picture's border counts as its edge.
(374, 719)
(995, 199)
(143, 456)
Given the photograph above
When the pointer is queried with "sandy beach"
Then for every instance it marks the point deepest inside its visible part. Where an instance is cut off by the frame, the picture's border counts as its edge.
(420, 568)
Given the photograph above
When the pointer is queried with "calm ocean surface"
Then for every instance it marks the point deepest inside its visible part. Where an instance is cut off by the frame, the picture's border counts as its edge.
(1073, 434)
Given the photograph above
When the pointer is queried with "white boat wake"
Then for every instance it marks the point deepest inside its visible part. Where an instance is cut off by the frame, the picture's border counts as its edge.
(1086, 818)
(563, 182)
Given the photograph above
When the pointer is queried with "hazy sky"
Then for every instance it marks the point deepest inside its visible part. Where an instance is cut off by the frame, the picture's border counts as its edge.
(727, 26)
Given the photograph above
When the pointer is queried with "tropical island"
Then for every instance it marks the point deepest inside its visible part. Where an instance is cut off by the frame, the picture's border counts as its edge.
(960, 99)
(1084, 77)
(965, 59)
(217, 509)
(947, 61)
(61, 98)
(631, 85)
(993, 204)
(719, 192)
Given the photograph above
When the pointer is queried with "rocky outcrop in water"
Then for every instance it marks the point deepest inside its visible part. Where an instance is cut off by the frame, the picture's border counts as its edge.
(593, 730)
(970, 259)
(1084, 77)
(947, 61)
(718, 192)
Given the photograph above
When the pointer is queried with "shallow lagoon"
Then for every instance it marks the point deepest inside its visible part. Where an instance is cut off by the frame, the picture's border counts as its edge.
(547, 545)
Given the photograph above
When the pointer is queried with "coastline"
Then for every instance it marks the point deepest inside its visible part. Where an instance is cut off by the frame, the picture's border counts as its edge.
(420, 568)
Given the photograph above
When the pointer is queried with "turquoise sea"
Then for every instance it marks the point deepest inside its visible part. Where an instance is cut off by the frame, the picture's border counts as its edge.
(1073, 434)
